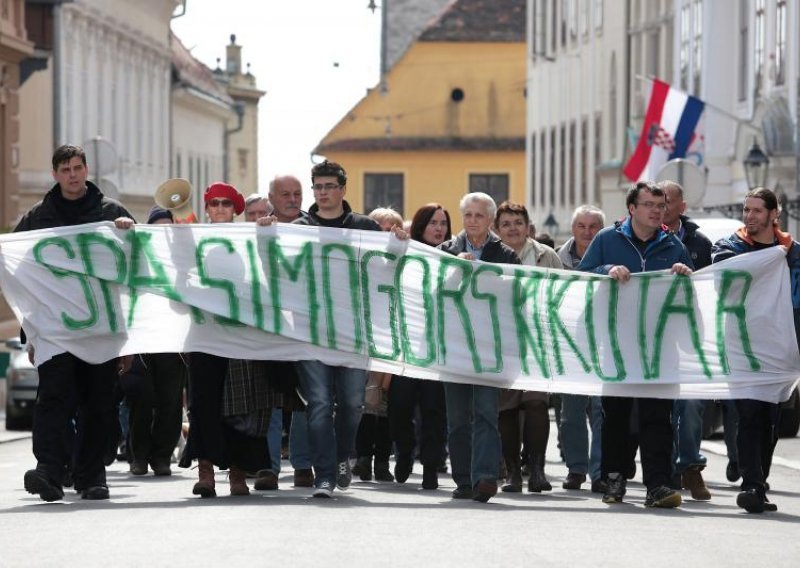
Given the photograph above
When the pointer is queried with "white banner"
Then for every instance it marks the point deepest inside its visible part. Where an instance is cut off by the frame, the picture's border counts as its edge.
(365, 299)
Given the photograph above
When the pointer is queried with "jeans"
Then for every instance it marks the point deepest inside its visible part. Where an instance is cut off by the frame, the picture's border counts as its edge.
(473, 438)
(274, 435)
(299, 450)
(331, 429)
(687, 428)
(575, 436)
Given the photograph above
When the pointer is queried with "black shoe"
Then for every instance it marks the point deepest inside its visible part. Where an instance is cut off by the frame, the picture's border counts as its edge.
(37, 483)
(139, 468)
(382, 472)
(574, 481)
(615, 488)
(537, 482)
(599, 486)
(403, 468)
(732, 471)
(363, 468)
(768, 506)
(630, 471)
(430, 478)
(95, 493)
(752, 501)
(161, 468)
(462, 492)
(662, 497)
(67, 480)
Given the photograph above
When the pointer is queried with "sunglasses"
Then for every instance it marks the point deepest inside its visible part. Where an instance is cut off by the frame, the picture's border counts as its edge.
(220, 203)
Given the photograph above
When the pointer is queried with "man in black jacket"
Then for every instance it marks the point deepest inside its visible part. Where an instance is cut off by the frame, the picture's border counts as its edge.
(473, 438)
(687, 415)
(321, 385)
(67, 383)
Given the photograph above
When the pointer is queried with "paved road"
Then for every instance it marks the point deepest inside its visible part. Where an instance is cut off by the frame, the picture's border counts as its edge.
(156, 522)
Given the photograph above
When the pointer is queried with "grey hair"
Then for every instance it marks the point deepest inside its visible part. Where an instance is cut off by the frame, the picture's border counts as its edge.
(480, 197)
(588, 210)
(254, 198)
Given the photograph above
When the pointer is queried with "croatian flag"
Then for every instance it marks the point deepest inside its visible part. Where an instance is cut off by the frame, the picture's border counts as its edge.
(667, 132)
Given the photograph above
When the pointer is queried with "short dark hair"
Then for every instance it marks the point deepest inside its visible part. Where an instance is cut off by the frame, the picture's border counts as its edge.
(511, 208)
(766, 195)
(632, 198)
(65, 153)
(668, 183)
(329, 169)
(421, 219)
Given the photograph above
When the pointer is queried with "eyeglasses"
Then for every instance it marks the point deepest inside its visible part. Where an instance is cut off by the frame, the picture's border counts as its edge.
(325, 186)
(220, 203)
(653, 205)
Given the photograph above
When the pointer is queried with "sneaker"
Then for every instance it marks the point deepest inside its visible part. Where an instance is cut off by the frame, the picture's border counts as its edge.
(161, 468)
(732, 471)
(462, 492)
(599, 486)
(574, 481)
(37, 483)
(692, 480)
(662, 497)
(324, 490)
(266, 480)
(403, 468)
(752, 501)
(344, 474)
(768, 506)
(615, 489)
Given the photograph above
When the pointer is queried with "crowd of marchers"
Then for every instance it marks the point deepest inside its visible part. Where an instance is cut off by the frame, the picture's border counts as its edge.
(342, 421)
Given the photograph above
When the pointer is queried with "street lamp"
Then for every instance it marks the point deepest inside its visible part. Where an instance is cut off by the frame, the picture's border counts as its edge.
(756, 166)
(551, 225)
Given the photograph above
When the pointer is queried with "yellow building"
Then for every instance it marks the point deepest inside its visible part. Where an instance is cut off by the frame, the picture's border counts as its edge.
(448, 117)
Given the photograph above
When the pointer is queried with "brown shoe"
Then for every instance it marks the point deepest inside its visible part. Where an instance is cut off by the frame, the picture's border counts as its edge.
(238, 481)
(303, 478)
(692, 480)
(484, 490)
(266, 480)
(205, 486)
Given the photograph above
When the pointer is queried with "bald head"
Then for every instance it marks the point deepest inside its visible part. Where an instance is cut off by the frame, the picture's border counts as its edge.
(286, 197)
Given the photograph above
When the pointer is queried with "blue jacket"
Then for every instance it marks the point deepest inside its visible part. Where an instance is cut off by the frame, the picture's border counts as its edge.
(740, 243)
(614, 245)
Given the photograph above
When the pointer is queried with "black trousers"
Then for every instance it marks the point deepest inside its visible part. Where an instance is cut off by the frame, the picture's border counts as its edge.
(404, 394)
(72, 388)
(655, 438)
(756, 440)
(155, 402)
(373, 438)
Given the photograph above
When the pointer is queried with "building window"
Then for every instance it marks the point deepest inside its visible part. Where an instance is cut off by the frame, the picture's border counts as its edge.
(653, 48)
(759, 43)
(554, 28)
(685, 41)
(744, 30)
(780, 42)
(564, 21)
(598, 15)
(495, 185)
(553, 154)
(571, 150)
(572, 9)
(612, 105)
(383, 190)
(697, 51)
(543, 165)
(584, 158)
(562, 165)
(585, 25)
(534, 170)
(178, 165)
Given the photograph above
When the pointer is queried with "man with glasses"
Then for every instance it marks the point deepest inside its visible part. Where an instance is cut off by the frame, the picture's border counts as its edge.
(639, 243)
(323, 386)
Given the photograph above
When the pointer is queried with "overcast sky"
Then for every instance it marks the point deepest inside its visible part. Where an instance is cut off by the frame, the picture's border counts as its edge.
(315, 59)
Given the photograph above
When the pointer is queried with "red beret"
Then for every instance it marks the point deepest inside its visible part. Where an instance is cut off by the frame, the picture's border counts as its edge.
(220, 190)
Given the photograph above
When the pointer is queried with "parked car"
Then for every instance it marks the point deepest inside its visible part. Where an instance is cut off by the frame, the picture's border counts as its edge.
(22, 382)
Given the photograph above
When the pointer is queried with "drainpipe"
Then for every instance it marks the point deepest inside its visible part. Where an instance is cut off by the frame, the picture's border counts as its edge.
(239, 108)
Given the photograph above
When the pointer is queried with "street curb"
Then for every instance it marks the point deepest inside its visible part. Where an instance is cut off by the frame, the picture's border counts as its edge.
(14, 437)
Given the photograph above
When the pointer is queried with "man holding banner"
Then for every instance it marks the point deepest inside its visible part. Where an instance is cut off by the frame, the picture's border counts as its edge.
(67, 383)
(758, 420)
(638, 244)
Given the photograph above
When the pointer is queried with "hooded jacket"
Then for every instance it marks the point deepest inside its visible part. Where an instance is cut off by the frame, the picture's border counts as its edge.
(350, 221)
(614, 245)
(55, 211)
(696, 243)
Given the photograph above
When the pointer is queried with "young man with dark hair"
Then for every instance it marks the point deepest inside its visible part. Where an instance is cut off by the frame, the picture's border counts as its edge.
(638, 244)
(67, 383)
(758, 420)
